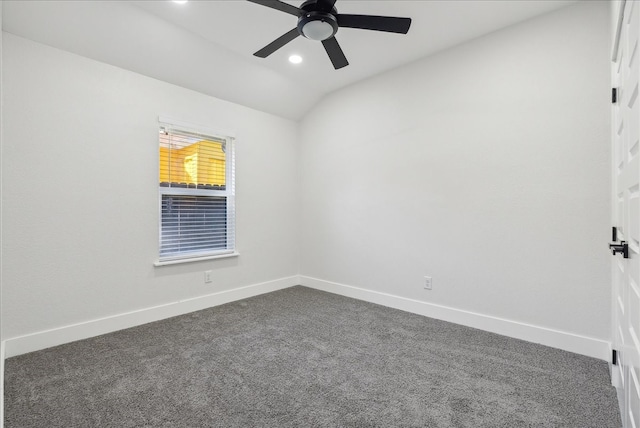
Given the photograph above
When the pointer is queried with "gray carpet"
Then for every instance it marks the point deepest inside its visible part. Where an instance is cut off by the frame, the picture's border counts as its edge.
(305, 358)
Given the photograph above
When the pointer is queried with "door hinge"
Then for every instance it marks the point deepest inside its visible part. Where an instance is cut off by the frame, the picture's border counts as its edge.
(614, 357)
(614, 95)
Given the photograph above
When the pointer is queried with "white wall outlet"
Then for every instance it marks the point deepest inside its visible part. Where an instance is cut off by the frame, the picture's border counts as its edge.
(428, 283)
(207, 276)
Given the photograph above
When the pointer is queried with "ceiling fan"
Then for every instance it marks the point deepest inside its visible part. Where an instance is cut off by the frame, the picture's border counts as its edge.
(319, 20)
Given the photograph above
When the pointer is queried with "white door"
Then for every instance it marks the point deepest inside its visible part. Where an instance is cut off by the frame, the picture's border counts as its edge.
(626, 214)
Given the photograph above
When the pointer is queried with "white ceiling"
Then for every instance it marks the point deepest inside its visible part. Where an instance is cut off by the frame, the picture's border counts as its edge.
(208, 46)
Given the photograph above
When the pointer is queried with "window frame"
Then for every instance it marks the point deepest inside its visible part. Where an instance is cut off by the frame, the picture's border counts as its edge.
(178, 127)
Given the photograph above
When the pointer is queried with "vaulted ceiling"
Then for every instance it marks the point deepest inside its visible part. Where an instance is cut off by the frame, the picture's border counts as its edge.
(208, 46)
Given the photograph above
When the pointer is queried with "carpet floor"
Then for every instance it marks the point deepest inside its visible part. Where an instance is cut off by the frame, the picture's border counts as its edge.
(304, 358)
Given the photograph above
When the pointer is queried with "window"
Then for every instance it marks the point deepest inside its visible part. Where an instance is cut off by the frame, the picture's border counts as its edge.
(196, 186)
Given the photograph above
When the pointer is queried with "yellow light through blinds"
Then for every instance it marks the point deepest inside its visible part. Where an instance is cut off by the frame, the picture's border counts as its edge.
(187, 160)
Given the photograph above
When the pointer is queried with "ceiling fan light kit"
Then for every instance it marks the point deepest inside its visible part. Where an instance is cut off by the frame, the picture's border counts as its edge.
(318, 25)
(319, 20)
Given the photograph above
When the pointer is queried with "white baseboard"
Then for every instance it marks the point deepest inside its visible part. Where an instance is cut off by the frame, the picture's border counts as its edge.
(578, 344)
(554, 338)
(70, 333)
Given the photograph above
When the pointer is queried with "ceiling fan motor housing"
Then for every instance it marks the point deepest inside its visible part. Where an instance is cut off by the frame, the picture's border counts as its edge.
(317, 25)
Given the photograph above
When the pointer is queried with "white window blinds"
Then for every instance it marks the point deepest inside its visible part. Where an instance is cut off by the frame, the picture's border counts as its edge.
(196, 186)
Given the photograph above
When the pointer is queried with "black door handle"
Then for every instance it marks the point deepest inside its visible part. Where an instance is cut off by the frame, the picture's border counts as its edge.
(622, 247)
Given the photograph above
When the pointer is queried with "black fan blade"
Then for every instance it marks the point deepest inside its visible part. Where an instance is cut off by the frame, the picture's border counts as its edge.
(325, 5)
(281, 6)
(378, 23)
(277, 43)
(335, 53)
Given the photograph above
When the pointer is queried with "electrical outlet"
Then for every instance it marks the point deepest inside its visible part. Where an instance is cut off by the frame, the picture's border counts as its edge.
(207, 277)
(428, 283)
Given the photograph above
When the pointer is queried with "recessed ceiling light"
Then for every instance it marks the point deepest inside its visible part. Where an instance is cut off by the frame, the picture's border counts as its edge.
(295, 59)
(180, 1)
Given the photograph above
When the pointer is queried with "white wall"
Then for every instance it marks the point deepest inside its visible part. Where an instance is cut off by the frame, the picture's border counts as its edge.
(79, 189)
(485, 166)
(1, 210)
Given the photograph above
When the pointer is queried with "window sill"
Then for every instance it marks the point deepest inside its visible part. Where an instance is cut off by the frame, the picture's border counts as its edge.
(194, 259)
